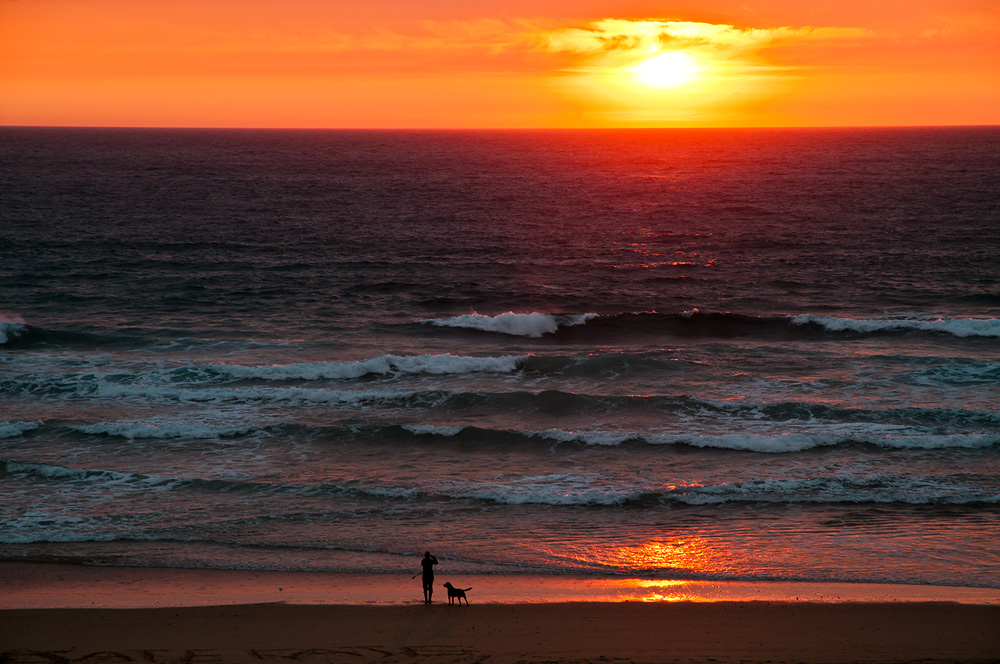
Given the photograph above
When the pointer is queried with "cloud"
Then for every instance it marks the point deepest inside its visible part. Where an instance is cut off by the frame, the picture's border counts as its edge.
(609, 35)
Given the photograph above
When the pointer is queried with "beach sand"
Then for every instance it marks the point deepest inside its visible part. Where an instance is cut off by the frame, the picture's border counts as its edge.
(224, 629)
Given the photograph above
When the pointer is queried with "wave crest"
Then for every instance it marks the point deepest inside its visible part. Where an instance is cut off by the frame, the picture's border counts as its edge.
(521, 325)
(14, 429)
(445, 364)
(153, 428)
(694, 323)
(958, 327)
(11, 327)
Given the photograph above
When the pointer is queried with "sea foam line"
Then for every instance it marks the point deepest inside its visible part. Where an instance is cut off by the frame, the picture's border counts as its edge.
(522, 325)
(445, 364)
(588, 489)
(138, 481)
(959, 327)
(14, 429)
(11, 327)
(886, 437)
(131, 429)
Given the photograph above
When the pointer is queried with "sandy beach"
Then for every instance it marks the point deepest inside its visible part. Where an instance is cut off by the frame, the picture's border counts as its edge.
(690, 630)
(509, 633)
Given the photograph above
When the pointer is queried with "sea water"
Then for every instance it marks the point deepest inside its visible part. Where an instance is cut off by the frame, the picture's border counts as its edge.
(676, 354)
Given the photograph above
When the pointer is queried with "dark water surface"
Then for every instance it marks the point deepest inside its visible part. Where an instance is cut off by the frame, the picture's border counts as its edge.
(752, 354)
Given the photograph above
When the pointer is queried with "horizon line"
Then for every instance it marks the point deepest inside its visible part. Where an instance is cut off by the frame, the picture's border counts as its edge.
(540, 128)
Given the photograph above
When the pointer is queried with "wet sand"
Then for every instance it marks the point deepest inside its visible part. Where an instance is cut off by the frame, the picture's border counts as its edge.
(503, 633)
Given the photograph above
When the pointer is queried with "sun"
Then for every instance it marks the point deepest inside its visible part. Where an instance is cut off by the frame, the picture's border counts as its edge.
(668, 70)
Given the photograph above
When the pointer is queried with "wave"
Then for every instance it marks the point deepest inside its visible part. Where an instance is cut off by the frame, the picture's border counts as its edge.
(695, 323)
(666, 408)
(775, 437)
(390, 367)
(157, 428)
(958, 374)
(15, 333)
(776, 443)
(440, 365)
(445, 364)
(958, 327)
(580, 489)
(522, 325)
(11, 327)
(110, 387)
(144, 481)
(14, 429)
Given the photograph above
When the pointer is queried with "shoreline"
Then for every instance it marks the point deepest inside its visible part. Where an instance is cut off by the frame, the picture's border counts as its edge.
(35, 585)
(76, 613)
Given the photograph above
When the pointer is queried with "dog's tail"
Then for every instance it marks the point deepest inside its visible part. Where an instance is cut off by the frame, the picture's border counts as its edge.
(464, 589)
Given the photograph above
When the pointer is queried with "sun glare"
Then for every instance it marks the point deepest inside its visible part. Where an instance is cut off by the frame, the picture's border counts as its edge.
(668, 70)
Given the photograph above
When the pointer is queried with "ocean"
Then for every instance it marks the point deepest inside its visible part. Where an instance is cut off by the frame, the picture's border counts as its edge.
(673, 354)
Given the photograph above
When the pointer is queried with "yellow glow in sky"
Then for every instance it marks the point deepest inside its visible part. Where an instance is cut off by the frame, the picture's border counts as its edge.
(668, 70)
(509, 63)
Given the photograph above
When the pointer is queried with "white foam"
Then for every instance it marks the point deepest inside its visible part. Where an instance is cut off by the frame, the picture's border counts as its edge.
(607, 438)
(589, 489)
(776, 444)
(886, 436)
(388, 492)
(959, 327)
(288, 395)
(521, 325)
(431, 430)
(385, 365)
(152, 429)
(958, 374)
(957, 441)
(552, 489)
(87, 474)
(14, 429)
(11, 326)
(844, 489)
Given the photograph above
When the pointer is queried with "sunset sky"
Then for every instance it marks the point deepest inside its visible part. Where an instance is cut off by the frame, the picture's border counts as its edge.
(499, 63)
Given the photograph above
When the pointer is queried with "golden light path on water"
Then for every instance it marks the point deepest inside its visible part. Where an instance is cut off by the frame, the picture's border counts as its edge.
(34, 585)
(688, 555)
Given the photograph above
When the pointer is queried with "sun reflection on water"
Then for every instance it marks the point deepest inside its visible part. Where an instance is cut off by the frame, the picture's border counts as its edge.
(691, 555)
(688, 557)
(657, 590)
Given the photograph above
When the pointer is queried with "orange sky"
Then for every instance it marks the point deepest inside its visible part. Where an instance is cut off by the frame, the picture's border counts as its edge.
(502, 63)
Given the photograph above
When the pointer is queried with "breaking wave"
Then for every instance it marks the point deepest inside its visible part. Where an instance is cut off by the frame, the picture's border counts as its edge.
(14, 429)
(694, 323)
(385, 365)
(157, 428)
(522, 325)
(11, 327)
(14, 332)
(763, 436)
(959, 327)
(567, 489)
(571, 490)
(144, 481)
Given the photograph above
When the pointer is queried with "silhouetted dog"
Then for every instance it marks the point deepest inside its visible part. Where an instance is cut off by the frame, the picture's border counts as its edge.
(456, 593)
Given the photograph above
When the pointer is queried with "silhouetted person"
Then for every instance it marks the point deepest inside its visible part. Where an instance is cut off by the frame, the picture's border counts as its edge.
(428, 564)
